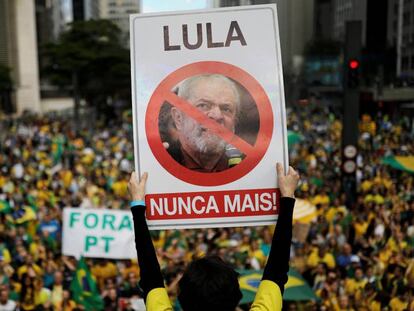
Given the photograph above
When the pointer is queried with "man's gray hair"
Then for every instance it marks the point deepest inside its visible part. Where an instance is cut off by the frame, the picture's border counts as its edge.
(185, 88)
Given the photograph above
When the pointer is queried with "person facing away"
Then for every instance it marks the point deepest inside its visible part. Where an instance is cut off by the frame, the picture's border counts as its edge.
(209, 284)
(197, 148)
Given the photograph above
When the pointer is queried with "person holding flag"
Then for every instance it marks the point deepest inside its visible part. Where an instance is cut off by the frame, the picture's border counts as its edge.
(84, 288)
(209, 283)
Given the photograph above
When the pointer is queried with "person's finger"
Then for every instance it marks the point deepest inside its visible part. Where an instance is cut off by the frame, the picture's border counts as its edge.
(297, 174)
(143, 179)
(279, 169)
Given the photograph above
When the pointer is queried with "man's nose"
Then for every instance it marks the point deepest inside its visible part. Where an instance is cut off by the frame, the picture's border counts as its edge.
(216, 114)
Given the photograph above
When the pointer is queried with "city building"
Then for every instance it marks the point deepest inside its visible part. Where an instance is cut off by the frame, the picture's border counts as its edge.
(18, 51)
(401, 35)
(85, 9)
(295, 19)
(52, 16)
(118, 12)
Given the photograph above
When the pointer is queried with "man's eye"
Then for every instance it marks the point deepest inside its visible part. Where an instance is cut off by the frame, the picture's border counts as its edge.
(227, 109)
(202, 106)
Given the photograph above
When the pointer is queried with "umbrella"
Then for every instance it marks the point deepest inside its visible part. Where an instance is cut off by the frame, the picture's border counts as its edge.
(296, 289)
(400, 163)
(304, 212)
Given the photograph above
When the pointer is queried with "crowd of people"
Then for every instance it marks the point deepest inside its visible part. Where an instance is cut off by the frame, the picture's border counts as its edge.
(357, 256)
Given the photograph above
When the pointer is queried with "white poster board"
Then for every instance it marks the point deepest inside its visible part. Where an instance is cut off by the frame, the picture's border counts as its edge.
(98, 233)
(235, 99)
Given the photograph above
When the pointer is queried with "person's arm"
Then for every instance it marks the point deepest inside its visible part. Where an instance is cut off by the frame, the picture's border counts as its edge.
(277, 266)
(151, 276)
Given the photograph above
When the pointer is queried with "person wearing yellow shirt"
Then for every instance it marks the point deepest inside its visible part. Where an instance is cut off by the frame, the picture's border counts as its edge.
(332, 211)
(4, 253)
(245, 245)
(321, 198)
(344, 304)
(398, 303)
(104, 270)
(209, 283)
(130, 267)
(29, 267)
(354, 286)
(369, 299)
(257, 253)
(366, 185)
(321, 254)
(120, 188)
(375, 197)
(37, 249)
(42, 294)
(360, 227)
(67, 304)
(57, 290)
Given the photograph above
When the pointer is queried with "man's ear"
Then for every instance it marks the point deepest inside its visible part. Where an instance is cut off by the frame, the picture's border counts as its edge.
(177, 117)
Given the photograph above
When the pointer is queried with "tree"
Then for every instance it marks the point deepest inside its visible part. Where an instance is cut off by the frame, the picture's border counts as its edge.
(89, 56)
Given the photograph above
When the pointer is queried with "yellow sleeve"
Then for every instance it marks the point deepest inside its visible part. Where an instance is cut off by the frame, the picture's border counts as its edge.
(158, 300)
(6, 256)
(268, 297)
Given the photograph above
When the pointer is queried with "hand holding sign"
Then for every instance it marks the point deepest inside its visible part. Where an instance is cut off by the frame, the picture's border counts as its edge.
(287, 183)
(209, 119)
(137, 188)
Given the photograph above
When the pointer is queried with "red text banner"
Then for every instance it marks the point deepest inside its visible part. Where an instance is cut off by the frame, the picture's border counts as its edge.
(212, 204)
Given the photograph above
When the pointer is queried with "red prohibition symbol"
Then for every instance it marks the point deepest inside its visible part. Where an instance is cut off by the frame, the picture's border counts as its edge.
(254, 153)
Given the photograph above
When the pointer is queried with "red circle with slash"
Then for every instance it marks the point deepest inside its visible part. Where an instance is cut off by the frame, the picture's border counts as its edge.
(254, 153)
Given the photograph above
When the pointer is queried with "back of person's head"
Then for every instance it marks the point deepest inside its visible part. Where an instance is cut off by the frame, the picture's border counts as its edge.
(209, 284)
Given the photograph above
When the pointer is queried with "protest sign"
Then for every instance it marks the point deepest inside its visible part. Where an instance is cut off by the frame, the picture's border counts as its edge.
(98, 233)
(209, 115)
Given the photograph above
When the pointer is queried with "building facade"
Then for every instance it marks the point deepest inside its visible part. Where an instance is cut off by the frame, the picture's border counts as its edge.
(401, 35)
(118, 12)
(85, 9)
(295, 19)
(348, 10)
(18, 51)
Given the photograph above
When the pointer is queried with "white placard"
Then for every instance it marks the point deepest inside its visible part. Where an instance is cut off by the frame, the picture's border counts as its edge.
(98, 233)
(245, 109)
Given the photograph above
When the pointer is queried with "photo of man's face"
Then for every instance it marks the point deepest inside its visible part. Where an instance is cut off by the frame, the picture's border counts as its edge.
(217, 98)
(189, 142)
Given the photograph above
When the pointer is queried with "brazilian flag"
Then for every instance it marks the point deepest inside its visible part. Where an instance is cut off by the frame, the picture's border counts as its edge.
(296, 288)
(5, 207)
(84, 289)
(23, 214)
(400, 163)
(32, 202)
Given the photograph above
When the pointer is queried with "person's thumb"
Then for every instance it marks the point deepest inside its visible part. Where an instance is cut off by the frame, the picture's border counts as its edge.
(279, 169)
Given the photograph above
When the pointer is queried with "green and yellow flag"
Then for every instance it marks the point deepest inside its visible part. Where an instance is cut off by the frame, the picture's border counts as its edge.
(296, 288)
(23, 215)
(400, 163)
(84, 289)
(5, 207)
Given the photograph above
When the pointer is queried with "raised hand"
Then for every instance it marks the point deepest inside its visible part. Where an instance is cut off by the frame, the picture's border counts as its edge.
(287, 183)
(137, 188)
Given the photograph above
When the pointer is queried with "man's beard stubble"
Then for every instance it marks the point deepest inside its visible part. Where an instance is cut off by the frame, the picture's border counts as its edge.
(203, 140)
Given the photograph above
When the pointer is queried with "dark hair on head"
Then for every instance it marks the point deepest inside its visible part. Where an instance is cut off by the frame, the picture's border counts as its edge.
(209, 284)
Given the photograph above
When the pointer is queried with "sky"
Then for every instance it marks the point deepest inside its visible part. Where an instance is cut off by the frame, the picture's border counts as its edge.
(148, 6)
